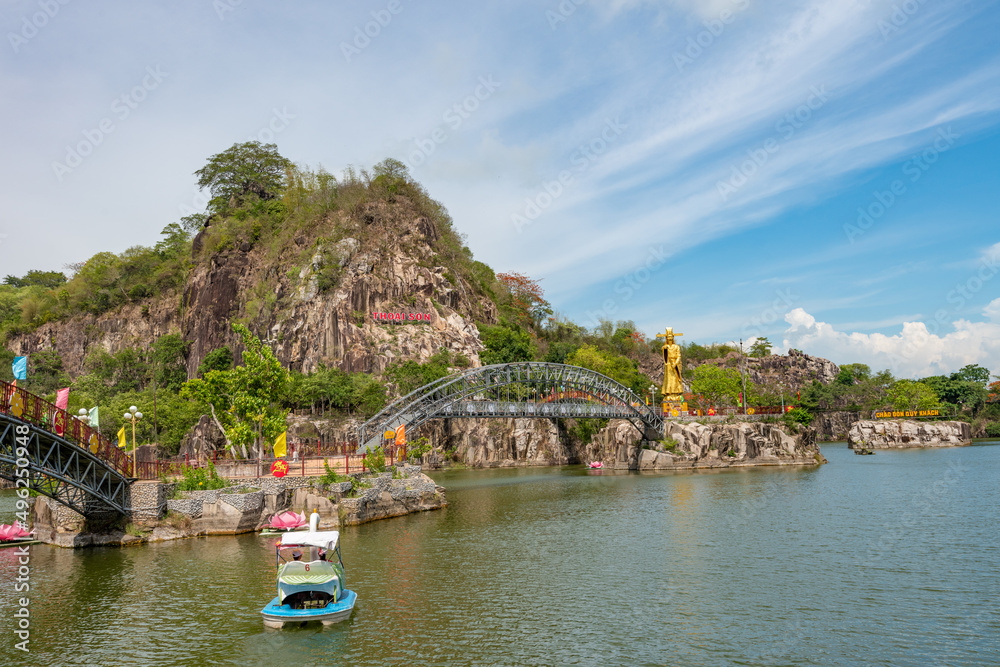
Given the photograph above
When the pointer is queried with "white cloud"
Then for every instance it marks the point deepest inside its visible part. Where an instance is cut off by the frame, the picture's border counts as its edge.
(913, 352)
(992, 310)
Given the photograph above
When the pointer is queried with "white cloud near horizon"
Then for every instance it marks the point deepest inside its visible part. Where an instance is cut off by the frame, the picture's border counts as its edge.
(916, 351)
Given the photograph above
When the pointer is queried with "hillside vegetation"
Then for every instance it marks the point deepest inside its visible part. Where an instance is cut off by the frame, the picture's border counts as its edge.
(289, 224)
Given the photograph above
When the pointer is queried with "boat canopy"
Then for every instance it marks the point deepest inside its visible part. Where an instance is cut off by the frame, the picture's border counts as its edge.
(326, 539)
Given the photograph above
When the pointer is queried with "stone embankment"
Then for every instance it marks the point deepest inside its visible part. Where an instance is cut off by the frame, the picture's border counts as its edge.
(898, 433)
(158, 515)
(836, 424)
(538, 442)
(694, 445)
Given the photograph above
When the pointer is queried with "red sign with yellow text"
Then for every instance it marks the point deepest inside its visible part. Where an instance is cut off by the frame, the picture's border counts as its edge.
(279, 468)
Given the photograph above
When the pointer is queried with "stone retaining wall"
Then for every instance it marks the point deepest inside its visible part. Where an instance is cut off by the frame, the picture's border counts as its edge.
(220, 511)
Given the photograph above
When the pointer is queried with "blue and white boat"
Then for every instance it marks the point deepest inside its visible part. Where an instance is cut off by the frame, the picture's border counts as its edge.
(310, 579)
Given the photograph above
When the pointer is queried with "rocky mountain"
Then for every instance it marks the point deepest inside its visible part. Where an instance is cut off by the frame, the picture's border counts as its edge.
(793, 371)
(329, 297)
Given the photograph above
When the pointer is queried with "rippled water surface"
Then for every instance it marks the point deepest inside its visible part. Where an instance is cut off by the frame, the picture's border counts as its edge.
(892, 559)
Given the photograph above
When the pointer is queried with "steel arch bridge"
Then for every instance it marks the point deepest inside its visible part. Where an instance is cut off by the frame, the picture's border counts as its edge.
(59, 456)
(527, 389)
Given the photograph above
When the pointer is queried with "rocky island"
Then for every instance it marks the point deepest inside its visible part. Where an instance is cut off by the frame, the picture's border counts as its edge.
(900, 434)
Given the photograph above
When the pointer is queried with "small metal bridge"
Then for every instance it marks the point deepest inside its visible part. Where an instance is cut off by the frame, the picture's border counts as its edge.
(518, 390)
(59, 456)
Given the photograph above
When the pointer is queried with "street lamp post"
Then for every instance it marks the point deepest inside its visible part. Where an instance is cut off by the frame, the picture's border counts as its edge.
(652, 394)
(133, 415)
(84, 418)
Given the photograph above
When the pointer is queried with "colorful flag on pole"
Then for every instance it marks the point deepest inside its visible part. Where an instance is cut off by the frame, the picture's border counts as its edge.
(401, 435)
(739, 401)
(62, 398)
(20, 368)
(94, 420)
(281, 446)
(121, 437)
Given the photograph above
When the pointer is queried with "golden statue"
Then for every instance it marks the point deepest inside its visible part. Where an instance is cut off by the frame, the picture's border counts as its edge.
(673, 389)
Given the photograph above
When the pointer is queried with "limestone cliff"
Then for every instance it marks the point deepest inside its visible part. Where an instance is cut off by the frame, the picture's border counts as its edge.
(897, 433)
(312, 298)
(697, 445)
(834, 425)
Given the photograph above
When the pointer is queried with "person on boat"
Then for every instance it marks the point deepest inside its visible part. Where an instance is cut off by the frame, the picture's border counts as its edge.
(296, 555)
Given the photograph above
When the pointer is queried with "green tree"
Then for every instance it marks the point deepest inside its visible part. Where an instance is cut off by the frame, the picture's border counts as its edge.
(367, 394)
(219, 359)
(615, 366)
(761, 347)
(6, 359)
(241, 172)
(392, 168)
(45, 373)
(125, 370)
(174, 242)
(973, 373)
(958, 393)
(409, 375)
(719, 386)
(910, 395)
(244, 400)
(559, 351)
(505, 345)
(46, 279)
(851, 374)
(169, 360)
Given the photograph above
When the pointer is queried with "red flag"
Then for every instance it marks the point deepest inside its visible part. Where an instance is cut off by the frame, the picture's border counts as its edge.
(62, 398)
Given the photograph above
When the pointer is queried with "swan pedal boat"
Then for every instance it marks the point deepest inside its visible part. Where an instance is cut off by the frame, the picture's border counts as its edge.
(309, 588)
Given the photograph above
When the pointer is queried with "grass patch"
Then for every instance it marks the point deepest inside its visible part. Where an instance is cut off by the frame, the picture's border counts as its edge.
(135, 530)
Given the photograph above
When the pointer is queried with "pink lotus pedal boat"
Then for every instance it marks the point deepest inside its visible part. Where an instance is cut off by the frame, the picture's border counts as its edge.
(13, 533)
(596, 464)
(287, 521)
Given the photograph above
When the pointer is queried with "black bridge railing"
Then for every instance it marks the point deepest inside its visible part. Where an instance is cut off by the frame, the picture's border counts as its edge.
(17, 402)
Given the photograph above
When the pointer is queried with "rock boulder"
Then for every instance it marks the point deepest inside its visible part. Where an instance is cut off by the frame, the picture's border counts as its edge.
(900, 433)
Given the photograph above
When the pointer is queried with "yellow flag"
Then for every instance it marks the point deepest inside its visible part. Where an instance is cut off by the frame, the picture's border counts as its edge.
(121, 438)
(281, 445)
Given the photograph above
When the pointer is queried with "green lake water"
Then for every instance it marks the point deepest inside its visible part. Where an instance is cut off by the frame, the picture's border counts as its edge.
(892, 559)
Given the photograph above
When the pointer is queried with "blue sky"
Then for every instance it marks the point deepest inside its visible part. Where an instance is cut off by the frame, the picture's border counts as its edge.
(697, 164)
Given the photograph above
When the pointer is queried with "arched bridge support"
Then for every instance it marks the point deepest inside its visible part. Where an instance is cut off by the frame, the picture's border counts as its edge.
(59, 469)
(517, 390)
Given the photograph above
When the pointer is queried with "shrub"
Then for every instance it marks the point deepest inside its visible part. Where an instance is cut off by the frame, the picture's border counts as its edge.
(177, 520)
(331, 476)
(669, 444)
(375, 461)
(201, 479)
(993, 430)
(798, 416)
(417, 448)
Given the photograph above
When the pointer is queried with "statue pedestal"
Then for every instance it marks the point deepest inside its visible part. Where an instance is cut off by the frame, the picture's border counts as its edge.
(673, 408)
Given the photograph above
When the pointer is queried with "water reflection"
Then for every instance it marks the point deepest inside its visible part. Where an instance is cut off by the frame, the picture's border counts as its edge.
(561, 566)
